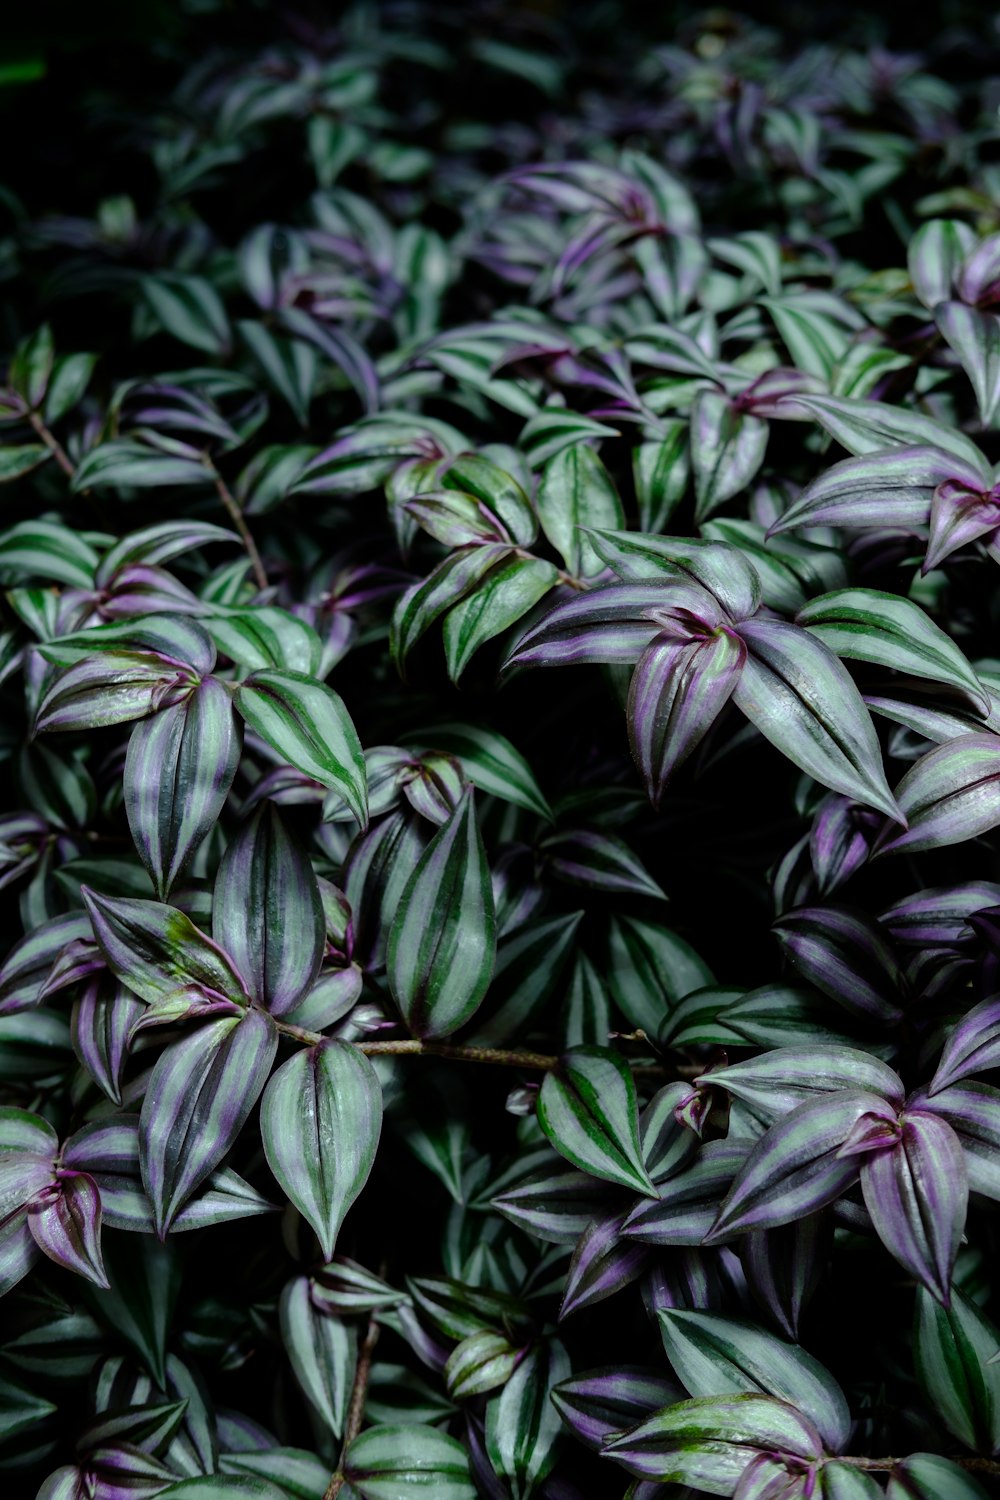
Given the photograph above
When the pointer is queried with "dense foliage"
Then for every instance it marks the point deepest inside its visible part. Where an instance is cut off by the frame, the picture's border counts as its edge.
(501, 739)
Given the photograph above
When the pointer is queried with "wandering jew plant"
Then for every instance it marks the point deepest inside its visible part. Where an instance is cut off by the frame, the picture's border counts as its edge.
(500, 856)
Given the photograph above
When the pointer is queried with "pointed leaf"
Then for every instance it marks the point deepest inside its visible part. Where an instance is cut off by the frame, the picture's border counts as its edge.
(442, 944)
(320, 1120)
(178, 771)
(587, 1107)
(156, 950)
(917, 1193)
(65, 1224)
(575, 490)
(392, 1463)
(199, 1095)
(949, 795)
(307, 724)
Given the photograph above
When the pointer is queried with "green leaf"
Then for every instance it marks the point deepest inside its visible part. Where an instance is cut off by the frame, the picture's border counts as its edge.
(480, 1363)
(953, 1348)
(396, 1462)
(265, 636)
(512, 587)
(727, 450)
(576, 490)
(320, 1120)
(307, 724)
(289, 364)
(442, 944)
(41, 549)
(869, 625)
(21, 460)
(490, 762)
(190, 309)
(499, 491)
(587, 1107)
(322, 1350)
(522, 1423)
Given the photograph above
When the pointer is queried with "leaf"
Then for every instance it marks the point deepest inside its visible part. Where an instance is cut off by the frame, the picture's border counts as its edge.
(289, 364)
(660, 473)
(125, 464)
(190, 309)
(522, 1424)
(599, 1403)
(198, 1098)
(864, 427)
(926, 1476)
(917, 1193)
(685, 1213)
(575, 491)
(320, 1119)
(15, 462)
(41, 549)
(610, 625)
(892, 632)
(493, 487)
(603, 1263)
(65, 1224)
(727, 449)
(714, 1355)
(393, 1462)
(309, 727)
(971, 1111)
(974, 336)
(224, 1487)
(110, 687)
(846, 956)
(795, 691)
(649, 968)
(588, 1109)
(265, 872)
(600, 861)
(480, 1363)
(894, 489)
(442, 943)
(708, 1441)
(512, 587)
(265, 636)
(953, 1349)
(677, 691)
(973, 1046)
(934, 257)
(795, 1168)
(779, 1081)
(950, 794)
(717, 566)
(322, 1350)
(156, 950)
(178, 773)
(490, 762)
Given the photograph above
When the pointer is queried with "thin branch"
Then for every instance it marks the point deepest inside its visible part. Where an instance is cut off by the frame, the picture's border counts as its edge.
(405, 1047)
(356, 1410)
(239, 521)
(988, 1466)
(53, 444)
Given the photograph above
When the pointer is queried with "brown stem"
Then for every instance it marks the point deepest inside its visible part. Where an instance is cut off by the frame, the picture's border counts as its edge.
(974, 1465)
(356, 1410)
(405, 1047)
(53, 444)
(239, 521)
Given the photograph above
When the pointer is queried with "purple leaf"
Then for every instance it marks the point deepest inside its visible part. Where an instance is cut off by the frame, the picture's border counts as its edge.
(795, 1168)
(105, 1014)
(781, 1080)
(615, 623)
(265, 872)
(973, 1112)
(30, 961)
(678, 690)
(917, 1192)
(973, 1046)
(727, 449)
(951, 794)
(845, 955)
(689, 1201)
(784, 1267)
(178, 771)
(599, 1403)
(65, 1223)
(110, 687)
(157, 951)
(974, 335)
(800, 697)
(878, 490)
(198, 1097)
(602, 1264)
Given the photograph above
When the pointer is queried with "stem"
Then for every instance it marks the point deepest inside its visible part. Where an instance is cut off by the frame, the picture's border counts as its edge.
(356, 1410)
(53, 444)
(502, 1057)
(239, 521)
(988, 1466)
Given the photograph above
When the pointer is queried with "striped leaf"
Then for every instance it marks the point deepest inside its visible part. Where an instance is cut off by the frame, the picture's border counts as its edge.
(714, 1355)
(179, 769)
(392, 1462)
(522, 1424)
(309, 727)
(953, 1348)
(951, 794)
(65, 1223)
(600, 1403)
(442, 943)
(264, 871)
(587, 1107)
(156, 950)
(320, 1120)
(198, 1097)
(917, 1193)
(800, 697)
(575, 491)
(868, 625)
(507, 592)
(322, 1350)
(795, 1168)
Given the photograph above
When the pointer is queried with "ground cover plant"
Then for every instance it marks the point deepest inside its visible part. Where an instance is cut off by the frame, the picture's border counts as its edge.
(500, 529)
